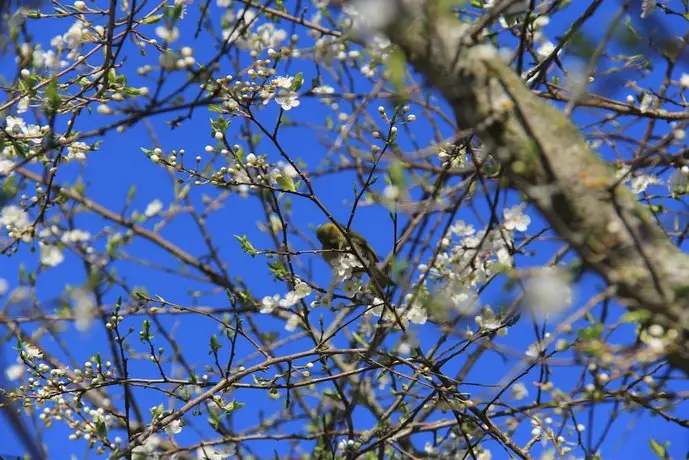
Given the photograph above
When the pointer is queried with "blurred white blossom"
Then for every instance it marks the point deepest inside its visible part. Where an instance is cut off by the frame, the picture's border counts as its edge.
(547, 291)
(647, 8)
(15, 218)
(168, 34)
(75, 236)
(216, 452)
(14, 372)
(153, 208)
(84, 309)
(519, 391)
(417, 314)
(370, 16)
(684, 80)
(5, 166)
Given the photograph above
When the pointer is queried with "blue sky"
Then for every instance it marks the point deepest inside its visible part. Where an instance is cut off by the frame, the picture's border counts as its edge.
(119, 163)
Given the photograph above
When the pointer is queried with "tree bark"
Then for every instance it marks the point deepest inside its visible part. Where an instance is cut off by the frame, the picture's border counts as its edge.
(545, 157)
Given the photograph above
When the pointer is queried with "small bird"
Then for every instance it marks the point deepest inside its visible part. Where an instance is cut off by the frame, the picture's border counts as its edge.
(334, 241)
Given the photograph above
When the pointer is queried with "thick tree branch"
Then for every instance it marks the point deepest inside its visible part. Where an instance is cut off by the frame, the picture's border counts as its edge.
(547, 159)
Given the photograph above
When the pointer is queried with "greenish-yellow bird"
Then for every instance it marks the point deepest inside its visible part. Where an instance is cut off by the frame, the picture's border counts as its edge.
(333, 241)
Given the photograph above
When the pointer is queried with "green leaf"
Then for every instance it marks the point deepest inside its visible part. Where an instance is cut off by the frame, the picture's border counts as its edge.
(145, 333)
(157, 411)
(247, 247)
(591, 333)
(637, 316)
(278, 269)
(101, 429)
(215, 345)
(53, 97)
(396, 65)
(152, 19)
(175, 12)
(286, 183)
(396, 172)
(131, 193)
(298, 82)
(216, 108)
(220, 125)
(233, 406)
(659, 449)
(215, 420)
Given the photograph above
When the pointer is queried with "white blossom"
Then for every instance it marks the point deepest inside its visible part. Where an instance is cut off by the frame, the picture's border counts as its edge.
(15, 125)
(23, 104)
(417, 314)
(344, 266)
(376, 307)
(323, 90)
(269, 303)
(33, 134)
(518, 7)
(147, 449)
(290, 299)
(515, 219)
(4, 286)
(51, 255)
(640, 183)
(545, 49)
(352, 286)
(460, 228)
(32, 351)
(287, 100)
(174, 427)
(77, 151)
(648, 102)
(533, 350)
(283, 82)
(684, 80)
(302, 289)
(267, 36)
(488, 319)
(292, 322)
(74, 36)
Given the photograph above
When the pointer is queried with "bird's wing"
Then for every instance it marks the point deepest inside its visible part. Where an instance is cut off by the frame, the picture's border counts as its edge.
(363, 247)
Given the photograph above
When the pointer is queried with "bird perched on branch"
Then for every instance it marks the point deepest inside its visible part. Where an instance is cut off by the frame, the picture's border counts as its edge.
(335, 245)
